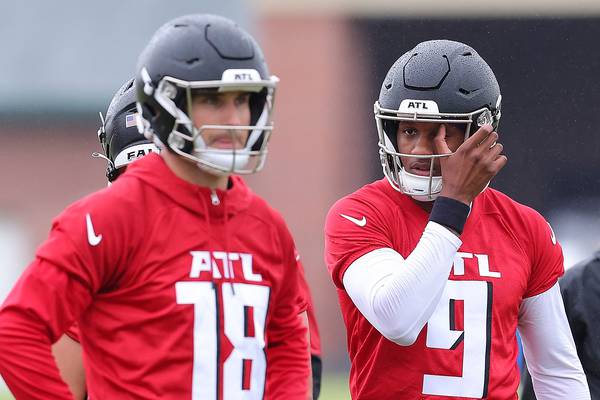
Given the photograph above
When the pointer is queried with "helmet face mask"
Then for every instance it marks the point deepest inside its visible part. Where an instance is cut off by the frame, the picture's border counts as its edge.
(440, 82)
(422, 188)
(187, 140)
(166, 91)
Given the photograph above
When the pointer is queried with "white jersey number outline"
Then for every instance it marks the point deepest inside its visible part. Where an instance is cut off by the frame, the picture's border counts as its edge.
(477, 297)
(248, 356)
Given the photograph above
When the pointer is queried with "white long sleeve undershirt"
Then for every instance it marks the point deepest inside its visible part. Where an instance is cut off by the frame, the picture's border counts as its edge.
(549, 349)
(398, 297)
(384, 286)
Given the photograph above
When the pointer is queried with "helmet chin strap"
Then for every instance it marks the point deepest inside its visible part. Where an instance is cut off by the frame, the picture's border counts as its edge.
(413, 184)
(221, 160)
(417, 186)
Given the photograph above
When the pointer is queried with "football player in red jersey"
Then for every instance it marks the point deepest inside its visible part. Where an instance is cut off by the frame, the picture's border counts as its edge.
(435, 270)
(184, 283)
(122, 144)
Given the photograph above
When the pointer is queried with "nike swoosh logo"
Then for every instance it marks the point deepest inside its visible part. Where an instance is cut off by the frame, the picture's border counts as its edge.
(93, 239)
(552, 235)
(359, 222)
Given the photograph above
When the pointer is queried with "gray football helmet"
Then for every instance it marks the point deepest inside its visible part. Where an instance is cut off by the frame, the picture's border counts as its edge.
(438, 81)
(204, 53)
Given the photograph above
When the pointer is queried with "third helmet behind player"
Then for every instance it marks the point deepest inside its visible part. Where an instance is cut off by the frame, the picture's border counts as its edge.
(438, 81)
(121, 141)
(202, 54)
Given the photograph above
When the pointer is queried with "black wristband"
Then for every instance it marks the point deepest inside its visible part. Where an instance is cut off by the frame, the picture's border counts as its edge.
(450, 213)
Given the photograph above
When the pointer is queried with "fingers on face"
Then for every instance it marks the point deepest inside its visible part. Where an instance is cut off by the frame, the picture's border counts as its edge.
(478, 137)
(495, 150)
(439, 141)
(485, 148)
(489, 141)
(493, 153)
(499, 163)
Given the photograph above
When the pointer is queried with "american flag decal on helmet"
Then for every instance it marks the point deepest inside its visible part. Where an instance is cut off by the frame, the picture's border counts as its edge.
(130, 120)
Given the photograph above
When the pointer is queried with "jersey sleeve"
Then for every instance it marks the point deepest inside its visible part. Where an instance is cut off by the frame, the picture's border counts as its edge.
(70, 267)
(549, 348)
(73, 332)
(352, 229)
(88, 245)
(287, 351)
(32, 317)
(547, 263)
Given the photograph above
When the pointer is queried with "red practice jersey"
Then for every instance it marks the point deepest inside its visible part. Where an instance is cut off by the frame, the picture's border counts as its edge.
(468, 347)
(179, 292)
(73, 332)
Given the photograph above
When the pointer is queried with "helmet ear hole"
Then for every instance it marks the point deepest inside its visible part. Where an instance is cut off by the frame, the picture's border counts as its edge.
(391, 160)
(257, 103)
(160, 122)
(148, 109)
(391, 130)
(259, 142)
(120, 130)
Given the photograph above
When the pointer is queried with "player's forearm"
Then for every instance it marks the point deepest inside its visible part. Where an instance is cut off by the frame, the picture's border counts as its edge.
(398, 296)
(37, 310)
(26, 361)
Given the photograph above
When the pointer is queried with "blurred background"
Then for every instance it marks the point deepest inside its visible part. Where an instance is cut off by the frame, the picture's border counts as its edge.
(61, 62)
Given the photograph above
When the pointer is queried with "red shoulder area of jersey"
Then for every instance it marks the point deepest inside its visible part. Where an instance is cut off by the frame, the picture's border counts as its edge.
(519, 233)
(525, 221)
(371, 218)
(376, 201)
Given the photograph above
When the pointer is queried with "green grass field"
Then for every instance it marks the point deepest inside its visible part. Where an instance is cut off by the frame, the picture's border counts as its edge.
(335, 387)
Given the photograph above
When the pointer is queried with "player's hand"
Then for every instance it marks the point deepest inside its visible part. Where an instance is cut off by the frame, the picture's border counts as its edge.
(467, 172)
